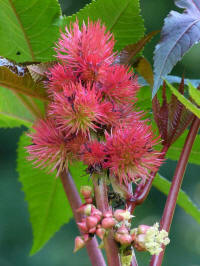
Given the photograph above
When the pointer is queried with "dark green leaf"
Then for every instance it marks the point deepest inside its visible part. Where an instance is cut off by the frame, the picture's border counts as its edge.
(183, 201)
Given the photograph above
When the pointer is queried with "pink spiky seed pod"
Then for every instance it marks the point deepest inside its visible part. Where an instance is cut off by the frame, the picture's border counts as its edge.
(108, 214)
(59, 78)
(83, 226)
(86, 191)
(93, 153)
(79, 243)
(119, 84)
(87, 51)
(96, 211)
(80, 112)
(100, 232)
(91, 221)
(130, 154)
(121, 215)
(85, 209)
(92, 230)
(88, 200)
(50, 148)
(123, 230)
(143, 228)
(86, 237)
(123, 239)
(108, 223)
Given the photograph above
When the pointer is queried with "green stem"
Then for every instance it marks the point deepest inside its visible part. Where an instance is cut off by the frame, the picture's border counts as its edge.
(170, 205)
(74, 199)
(100, 189)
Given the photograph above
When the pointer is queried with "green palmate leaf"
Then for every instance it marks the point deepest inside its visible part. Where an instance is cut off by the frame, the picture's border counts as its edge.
(121, 17)
(176, 148)
(47, 203)
(190, 106)
(28, 29)
(183, 201)
(194, 93)
(12, 112)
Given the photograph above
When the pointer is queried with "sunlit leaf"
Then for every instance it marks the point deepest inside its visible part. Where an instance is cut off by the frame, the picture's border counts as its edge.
(189, 105)
(194, 93)
(28, 29)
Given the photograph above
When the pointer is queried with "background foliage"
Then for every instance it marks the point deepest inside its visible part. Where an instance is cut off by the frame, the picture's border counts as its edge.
(15, 243)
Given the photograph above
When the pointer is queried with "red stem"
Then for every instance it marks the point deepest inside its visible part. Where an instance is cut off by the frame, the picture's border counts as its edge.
(100, 189)
(74, 199)
(170, 205)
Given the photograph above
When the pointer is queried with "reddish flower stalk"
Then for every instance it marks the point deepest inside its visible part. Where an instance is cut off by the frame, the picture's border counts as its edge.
(72, 194)
(170, 205)
(142, 190)
(101, 197)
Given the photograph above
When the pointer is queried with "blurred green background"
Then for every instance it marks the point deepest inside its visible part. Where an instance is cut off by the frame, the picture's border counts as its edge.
(15, 229)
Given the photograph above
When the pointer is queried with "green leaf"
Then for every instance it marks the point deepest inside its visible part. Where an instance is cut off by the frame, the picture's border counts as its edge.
(190, 106)
(194, 93)
(47, 203)
(22, 83)
(184, 201)
(12, 112)
(120, 17)
(16, 106)
(176, 148)
(28, 29)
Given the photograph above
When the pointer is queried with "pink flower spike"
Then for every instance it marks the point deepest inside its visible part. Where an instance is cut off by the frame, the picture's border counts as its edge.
(119, 84)
(130, 154)
(108, 223)
(86, 50)
(79, 243)
(49, 148)
(93, 153)
(80, 112)
(59, 78)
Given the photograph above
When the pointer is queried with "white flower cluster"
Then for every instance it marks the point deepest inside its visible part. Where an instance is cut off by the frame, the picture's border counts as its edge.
(154, 239)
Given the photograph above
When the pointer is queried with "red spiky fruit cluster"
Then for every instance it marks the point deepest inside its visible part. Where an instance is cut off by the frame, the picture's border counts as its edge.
(91, 114)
